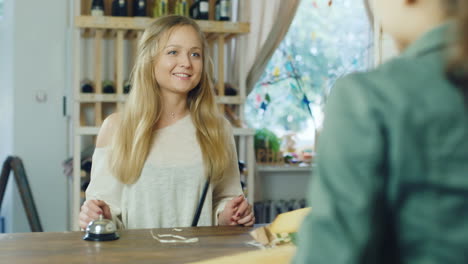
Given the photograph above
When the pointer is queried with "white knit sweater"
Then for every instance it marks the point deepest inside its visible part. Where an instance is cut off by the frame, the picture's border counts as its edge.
(170, 185)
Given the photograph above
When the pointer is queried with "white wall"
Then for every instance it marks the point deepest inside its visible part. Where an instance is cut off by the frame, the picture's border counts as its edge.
(36, 45)
(6, 99)
(283, 184)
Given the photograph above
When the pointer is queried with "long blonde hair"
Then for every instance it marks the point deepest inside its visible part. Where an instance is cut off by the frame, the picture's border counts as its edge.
(134, 135)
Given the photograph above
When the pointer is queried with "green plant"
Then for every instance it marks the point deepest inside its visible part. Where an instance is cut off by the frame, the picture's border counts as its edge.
(266, 139)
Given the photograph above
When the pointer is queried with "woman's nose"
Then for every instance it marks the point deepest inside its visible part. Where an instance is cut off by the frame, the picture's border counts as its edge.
(185, 61)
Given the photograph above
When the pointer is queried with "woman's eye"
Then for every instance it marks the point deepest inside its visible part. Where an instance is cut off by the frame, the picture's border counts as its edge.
(196, 54)
(172, 52)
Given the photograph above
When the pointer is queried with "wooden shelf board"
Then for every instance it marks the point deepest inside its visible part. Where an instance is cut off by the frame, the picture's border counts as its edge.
(91, 98)
(229, 100)
(283, 168)
(243, 131)
(140, 23)
(89, 130)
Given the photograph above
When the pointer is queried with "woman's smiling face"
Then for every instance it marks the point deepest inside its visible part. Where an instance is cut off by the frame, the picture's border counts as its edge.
(179, 65)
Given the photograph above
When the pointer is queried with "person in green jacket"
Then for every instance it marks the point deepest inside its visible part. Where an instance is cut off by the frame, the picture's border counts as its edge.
(391, 184)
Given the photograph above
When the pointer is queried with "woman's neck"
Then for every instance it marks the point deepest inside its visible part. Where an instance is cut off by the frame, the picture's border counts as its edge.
(174, 108)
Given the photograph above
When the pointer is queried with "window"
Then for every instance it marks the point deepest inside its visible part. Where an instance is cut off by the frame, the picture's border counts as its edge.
(327, 40)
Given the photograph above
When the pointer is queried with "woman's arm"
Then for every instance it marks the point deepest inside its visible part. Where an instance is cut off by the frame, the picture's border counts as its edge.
(228, 200)
(103, 195)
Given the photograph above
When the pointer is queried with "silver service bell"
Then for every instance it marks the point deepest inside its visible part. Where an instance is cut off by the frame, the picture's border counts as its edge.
(101, 230)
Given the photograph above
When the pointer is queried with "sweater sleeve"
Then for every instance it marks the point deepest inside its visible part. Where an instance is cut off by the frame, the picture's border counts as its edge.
(229, 187)
(104, 186)
(346, 195)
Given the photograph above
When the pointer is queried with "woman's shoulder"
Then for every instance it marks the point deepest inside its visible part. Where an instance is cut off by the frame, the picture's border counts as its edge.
(107, 130)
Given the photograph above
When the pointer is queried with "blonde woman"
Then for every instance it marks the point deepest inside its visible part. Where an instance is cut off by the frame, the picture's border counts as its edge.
(152, 160)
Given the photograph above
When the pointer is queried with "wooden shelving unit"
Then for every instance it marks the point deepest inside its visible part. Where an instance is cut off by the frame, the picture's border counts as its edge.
(219, 28)
(284, 168)
(121, 34)
(94, 98)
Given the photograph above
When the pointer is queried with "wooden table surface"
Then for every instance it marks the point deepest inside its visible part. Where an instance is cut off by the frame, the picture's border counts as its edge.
(134, 246)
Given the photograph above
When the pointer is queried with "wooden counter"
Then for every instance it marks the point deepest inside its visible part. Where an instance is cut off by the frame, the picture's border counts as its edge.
(134, 246)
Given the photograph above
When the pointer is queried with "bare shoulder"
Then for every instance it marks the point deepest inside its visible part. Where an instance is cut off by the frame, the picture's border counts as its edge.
(107, 131)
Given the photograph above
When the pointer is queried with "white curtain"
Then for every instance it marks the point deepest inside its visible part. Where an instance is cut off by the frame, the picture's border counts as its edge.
(269, 22)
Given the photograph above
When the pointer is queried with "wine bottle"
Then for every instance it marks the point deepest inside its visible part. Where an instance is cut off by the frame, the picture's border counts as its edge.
(127, 86)
(119, 8)
(86, 165)
(139, 8)
(184, 10)
(203, 9)
(177, 8)
(194, 10)
(217, 12)
(87, 86)
(97, 8)
(163, 7)
(224, 10)
(108, 87)
(156, 8)
(160, 8)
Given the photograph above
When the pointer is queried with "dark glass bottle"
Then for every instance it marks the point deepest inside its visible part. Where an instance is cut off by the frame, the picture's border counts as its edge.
(217, 12)
(119, 8)
(184, 10)
(194, 10)
(87, 86)
(203, 9)
(97, 8)
(108, 87)
(127, 87)
(224, 10)
(161, 8)
(139, 8)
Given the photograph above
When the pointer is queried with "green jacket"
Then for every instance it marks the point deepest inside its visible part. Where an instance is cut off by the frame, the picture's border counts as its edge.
(391, 183)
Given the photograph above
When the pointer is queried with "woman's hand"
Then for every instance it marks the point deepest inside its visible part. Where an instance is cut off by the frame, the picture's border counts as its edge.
(91, 210)
(237, 212)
